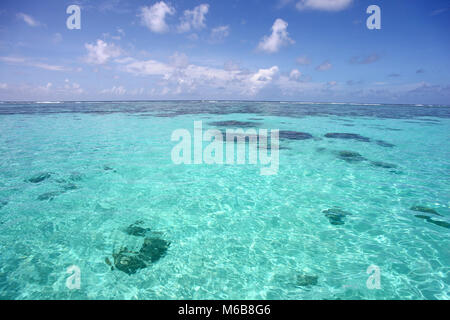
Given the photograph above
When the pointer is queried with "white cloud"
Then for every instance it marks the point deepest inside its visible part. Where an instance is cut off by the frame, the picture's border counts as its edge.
(101, 52)
(149, 67)
(179, 76)
(48, 91)
(3, 85)
(218, 34)
(72, 87)
(193, 37)
(121, 32)
(324, 66)
(29, 20)
(194, 19)
(57, 38)
(331, 83)
(179, 60)
(325, 5)
(30, 63)
(290, 86)
(231, 66)
(277, 39)
(303, 60)
(120, 90)
(295, 74)
(14, 60)
(154, 17)
(261, 79)
(47, 66)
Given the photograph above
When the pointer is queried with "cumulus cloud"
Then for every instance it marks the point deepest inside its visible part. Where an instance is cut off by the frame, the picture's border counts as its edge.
(101, 52)
(194, 19)
(178, 76)
(154, 17)
(295, 74)
(324, 5)
(29, 20)
(72, 87)
(324, 66)
(277, 39)
(218, 34)
(261, 79)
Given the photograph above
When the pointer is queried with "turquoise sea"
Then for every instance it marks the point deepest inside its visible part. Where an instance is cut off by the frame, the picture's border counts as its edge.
(92, 185)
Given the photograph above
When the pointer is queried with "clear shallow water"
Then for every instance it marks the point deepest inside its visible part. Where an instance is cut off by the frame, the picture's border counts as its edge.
(233, 233)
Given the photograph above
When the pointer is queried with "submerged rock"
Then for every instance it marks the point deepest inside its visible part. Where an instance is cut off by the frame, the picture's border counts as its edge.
(49, 196)
(76, 177)
(234, 123)
(3, 203)
(153, 249)
(425, 210)
(109, 263)
(136, 230)
(128, 261)
(384, 144)
(440, 223)
(350, 156)
(384, 165)
(304, 280)
(39, 177)
(351, 136)
(336, 216)
(436, 222)
(294, 135)
(70, 186)
(108, 168)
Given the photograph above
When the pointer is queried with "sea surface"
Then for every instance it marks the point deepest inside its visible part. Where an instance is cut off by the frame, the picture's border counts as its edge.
(91, 187)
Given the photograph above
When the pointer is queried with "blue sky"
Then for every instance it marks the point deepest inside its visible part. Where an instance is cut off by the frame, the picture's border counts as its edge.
(304, 50)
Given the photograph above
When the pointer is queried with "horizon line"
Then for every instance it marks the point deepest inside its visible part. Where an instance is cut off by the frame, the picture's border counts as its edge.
(227, 100)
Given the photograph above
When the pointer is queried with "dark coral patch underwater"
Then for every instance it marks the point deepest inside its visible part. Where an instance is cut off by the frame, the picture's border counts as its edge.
(383, 165)
(425, 210)
(136, 230)
(234, 124)
(347, 136)
(3, 203)
(151, 251)
(49, 196)
(435, 222)
(305, 280)
(294, 135)
(350, 156)
(336, 216)
(39, 177)
(384, 144)
(357, 137)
